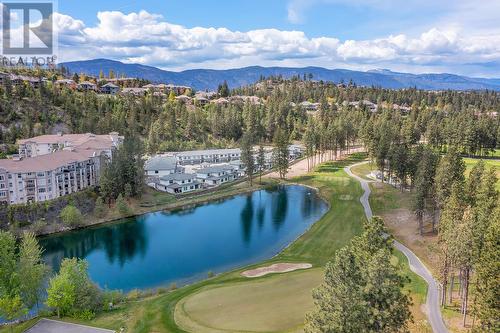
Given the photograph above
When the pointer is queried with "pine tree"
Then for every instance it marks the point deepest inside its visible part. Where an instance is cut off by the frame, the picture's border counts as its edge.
(261, 161)
(487, 303)
(247, 157)
(280, 153)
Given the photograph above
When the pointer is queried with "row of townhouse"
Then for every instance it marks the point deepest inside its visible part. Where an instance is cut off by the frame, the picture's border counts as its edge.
(204, 177)
(207, 156)
(193, 170)
(51, 166)
(49, 176)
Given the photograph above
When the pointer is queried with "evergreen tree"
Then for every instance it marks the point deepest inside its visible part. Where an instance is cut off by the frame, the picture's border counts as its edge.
(280, 153)
(247, 157)
(487, 303)
(32, 270)
(261, 161)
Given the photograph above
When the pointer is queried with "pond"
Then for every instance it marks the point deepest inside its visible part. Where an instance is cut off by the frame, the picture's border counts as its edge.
(183, 246)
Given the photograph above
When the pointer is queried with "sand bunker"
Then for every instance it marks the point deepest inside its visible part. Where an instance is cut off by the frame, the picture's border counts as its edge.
(275, 268)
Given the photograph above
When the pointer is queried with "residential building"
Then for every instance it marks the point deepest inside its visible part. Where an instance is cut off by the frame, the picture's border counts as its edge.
(208, 156)
(159, 166)
(177, 183)
(134, 91)
(65, 83)
(201, 101)
(48, 176)
(109, 89)
(184, 99)
(46, 144)
(87, 86)
(308, 106)
(220, 101)
(217, 175)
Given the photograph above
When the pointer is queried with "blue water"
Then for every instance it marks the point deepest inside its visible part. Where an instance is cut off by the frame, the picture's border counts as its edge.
(182, 246)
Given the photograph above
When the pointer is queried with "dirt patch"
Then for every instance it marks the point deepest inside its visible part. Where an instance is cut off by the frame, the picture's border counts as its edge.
(345, 197)
(275, 268)
(402, 223)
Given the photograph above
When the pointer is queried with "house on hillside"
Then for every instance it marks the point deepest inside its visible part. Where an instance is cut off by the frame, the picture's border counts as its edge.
(109, 89)
(65, 83)
(87, 86)
(184, 99)
(134, 91)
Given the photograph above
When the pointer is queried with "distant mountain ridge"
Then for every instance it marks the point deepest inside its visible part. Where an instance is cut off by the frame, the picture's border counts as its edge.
(202, 79)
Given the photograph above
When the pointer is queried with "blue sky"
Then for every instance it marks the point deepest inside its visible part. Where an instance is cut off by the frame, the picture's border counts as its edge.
(458, 36)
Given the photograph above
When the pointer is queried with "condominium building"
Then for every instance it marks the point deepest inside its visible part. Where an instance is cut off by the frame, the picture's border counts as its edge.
(46, 144)
(49, 176)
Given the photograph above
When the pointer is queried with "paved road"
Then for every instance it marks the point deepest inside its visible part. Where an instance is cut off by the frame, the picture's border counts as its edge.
(432, 302)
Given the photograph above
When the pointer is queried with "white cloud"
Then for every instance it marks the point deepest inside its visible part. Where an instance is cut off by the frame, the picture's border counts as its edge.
(148, 39)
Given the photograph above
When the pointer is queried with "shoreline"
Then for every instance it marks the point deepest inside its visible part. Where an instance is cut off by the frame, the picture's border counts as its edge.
(180, 204)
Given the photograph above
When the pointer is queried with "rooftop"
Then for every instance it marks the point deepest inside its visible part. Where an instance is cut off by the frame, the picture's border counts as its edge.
(46, 162)
(210, 152)
(178, 176)
(160, 163)
(215, 169)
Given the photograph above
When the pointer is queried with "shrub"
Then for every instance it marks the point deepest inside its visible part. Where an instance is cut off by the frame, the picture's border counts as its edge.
(38, 226)
(99, 208)
(134, 295)
(122, 206)
(71, 216)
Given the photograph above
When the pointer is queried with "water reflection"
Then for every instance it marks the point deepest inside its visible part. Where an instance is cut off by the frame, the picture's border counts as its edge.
(182, 246)
(279, 208)
(247, 219)
(120, 242)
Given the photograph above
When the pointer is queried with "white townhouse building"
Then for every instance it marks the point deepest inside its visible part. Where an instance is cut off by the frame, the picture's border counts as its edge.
(208, 156)
(217, 175)
(177, 183)
(48, 176)
(46, 144)
(159, 166)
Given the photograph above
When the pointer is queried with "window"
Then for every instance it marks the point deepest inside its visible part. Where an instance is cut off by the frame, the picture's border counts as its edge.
(3, 193)
(156, 171)
(2, 177)
(40, 174)
(41, 190)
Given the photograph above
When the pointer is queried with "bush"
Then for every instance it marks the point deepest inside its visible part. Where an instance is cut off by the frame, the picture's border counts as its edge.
(38, 227)
(134, 295)
(71, 216)
(99, 209)
(122, 205)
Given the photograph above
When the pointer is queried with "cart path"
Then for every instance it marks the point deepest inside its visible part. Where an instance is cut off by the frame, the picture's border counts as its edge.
(416, 265)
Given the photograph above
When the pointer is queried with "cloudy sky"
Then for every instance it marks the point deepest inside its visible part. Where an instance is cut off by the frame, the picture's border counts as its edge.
(456, 36)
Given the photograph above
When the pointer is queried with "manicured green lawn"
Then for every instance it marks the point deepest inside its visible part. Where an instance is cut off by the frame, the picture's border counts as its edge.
(277, 303)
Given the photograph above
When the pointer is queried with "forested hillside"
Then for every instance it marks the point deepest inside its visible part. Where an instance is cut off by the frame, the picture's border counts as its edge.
(467, 119)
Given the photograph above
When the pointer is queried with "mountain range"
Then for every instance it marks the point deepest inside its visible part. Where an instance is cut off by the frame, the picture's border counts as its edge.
(209, 79)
